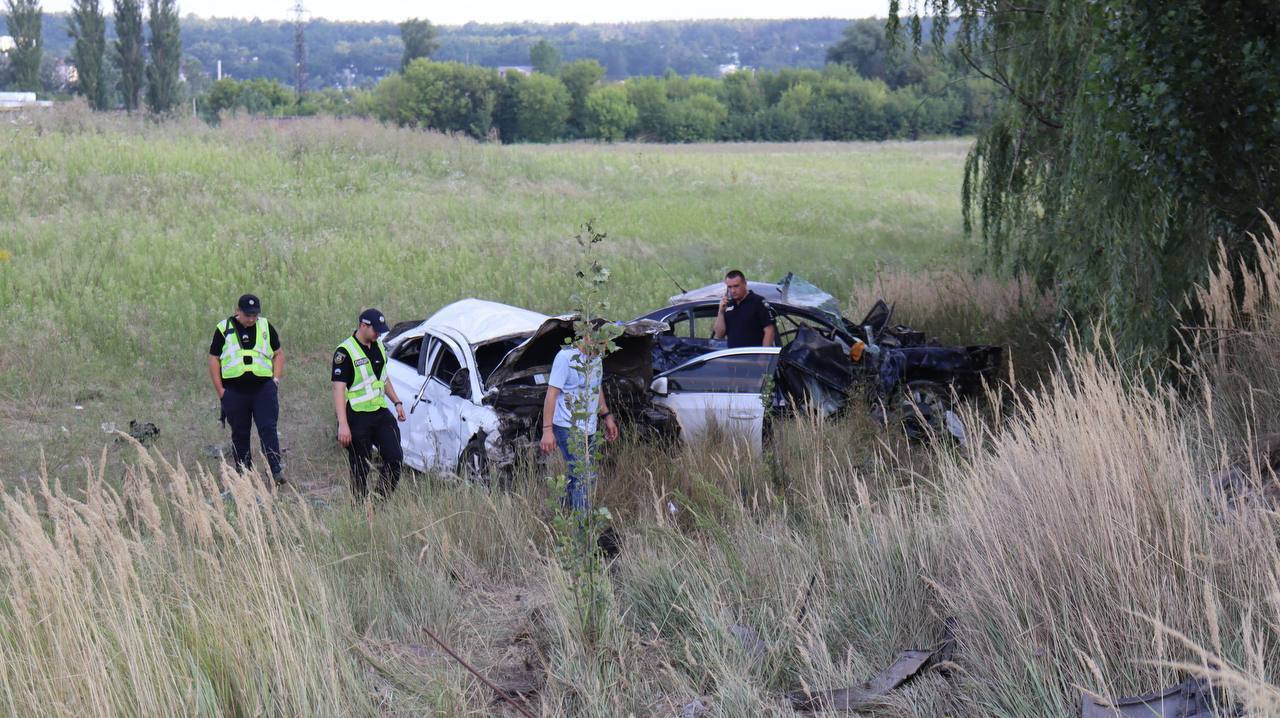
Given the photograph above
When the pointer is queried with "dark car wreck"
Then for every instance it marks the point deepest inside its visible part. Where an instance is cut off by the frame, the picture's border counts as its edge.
(824, 360)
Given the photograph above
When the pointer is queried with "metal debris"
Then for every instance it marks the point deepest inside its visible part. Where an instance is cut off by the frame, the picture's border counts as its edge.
(144, 432)
(695, 708)
(1193, 698)
(908, 665)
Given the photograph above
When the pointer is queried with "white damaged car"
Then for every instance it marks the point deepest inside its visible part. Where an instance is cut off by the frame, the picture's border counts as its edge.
(473, 377)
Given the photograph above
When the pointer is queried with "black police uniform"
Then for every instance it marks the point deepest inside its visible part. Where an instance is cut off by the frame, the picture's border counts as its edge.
(249, 399)
(369, 428)
(745, 321)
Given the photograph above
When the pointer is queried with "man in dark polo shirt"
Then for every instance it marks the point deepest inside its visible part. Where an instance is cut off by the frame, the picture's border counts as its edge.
(245, 364)
(745, 318)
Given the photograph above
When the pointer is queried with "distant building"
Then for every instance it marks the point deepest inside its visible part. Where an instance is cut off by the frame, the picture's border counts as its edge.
(728, 69)
(19, 100)
(7, 43)
(503, 70)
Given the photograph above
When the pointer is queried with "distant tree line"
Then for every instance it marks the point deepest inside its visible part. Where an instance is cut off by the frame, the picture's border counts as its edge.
(907, 97)
(864, 92)
(344, 54)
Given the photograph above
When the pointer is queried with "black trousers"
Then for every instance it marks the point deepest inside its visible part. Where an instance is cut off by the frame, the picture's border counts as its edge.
(244, 409)
(370, 429)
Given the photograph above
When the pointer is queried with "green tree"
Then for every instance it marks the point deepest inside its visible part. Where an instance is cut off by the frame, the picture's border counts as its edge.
(419, 38)
(579, 78)
(608, 114)
(166, 54)
(394, 101)
(788, 121)
(545, 58)
(444, 96)
(849, 108)
(1132, 136)
(24, 19)
(128, 54)
(542, 108)
(694, 119)
(88, 27)
(744, 99)
(258, 97)
(649, 96)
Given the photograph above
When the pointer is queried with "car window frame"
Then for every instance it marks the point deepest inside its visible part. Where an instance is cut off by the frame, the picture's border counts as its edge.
(398, 351)
(771, 359)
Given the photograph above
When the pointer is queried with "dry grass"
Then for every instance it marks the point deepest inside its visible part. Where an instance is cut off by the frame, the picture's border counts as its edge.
(1076, 544)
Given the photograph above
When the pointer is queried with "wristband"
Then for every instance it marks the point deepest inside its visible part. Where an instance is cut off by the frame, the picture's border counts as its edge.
(606, 415)
(399, 403)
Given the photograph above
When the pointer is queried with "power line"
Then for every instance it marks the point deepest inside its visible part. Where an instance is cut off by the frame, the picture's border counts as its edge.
(299, 13)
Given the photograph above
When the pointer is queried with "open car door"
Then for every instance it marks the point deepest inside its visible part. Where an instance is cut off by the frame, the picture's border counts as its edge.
(720, 392)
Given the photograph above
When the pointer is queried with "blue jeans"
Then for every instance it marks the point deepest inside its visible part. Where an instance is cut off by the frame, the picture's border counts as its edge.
(575, 489)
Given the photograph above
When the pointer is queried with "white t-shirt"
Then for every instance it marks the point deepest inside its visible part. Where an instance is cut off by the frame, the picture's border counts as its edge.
(573, 373)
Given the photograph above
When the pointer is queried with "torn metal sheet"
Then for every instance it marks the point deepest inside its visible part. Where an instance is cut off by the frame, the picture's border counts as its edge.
(695, 708)
(963, 367)
(815, 371)
(908, 665)
(1193, 698)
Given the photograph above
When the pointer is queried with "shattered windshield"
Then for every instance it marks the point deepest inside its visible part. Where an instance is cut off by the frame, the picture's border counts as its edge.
(801, 293)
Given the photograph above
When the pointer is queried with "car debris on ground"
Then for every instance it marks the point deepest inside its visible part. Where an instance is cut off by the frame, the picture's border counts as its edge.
(1192, 698)
(908, 665)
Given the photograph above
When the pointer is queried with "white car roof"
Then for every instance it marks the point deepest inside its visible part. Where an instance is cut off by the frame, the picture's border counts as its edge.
(479, 321)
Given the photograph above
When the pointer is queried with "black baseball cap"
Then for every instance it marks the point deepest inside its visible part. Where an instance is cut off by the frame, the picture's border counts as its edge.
(250, 304)
(374, 318)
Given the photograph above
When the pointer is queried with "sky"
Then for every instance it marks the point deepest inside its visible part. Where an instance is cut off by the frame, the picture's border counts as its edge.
(490, 11)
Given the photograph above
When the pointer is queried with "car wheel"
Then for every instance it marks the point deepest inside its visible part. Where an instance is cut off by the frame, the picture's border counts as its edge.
(923, 409)
(473, 464)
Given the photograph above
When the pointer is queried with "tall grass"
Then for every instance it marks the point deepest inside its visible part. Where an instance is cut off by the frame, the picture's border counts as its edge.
(1077, 545)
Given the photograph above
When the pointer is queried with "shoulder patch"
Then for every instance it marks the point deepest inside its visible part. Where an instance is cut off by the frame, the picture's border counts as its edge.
(339, 357)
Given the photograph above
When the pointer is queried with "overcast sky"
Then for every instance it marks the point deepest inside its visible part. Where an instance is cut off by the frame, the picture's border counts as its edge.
(457, 13)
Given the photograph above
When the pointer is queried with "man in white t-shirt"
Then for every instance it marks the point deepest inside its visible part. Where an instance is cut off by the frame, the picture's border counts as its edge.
(574, 383)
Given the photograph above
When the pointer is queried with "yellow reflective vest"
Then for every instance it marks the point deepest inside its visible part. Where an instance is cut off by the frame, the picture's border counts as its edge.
(366, 391)
(236, 360)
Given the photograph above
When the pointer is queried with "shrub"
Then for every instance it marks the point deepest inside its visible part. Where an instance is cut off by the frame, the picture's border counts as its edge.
(609, 115)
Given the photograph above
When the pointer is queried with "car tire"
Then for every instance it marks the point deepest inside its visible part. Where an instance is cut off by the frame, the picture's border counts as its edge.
(923, 409)
(473, 464)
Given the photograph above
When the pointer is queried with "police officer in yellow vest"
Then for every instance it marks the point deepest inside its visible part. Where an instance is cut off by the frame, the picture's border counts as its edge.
(362, 399)
(245, 364)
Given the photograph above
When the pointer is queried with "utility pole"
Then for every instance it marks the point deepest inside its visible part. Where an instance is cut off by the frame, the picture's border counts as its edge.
(299, 49)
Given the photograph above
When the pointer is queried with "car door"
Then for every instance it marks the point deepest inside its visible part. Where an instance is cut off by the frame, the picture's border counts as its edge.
(406, 371)
(721, 392)
(449, 417)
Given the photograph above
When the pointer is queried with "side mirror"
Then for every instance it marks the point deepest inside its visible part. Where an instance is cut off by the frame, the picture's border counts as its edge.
(460, 384)
(659, 386)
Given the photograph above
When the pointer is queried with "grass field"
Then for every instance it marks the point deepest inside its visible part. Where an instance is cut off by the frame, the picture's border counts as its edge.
(1073, 545)
(129, 242)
